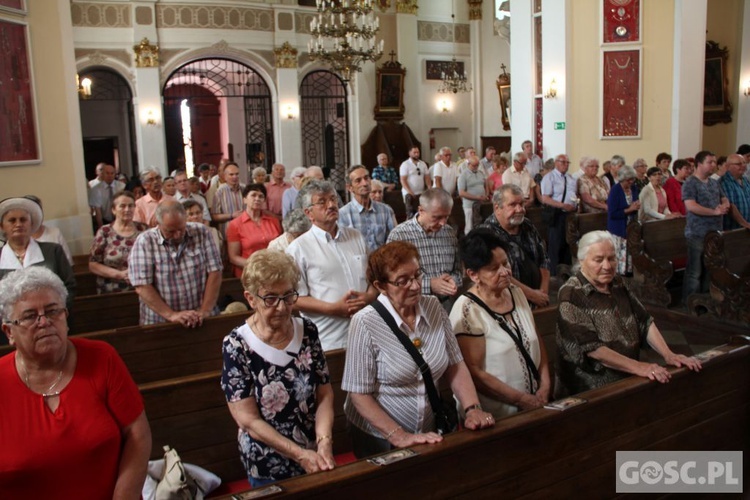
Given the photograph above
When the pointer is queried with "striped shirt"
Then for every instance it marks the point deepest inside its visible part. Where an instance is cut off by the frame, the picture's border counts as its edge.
(438, 251)
(178, 273)
(375, 223)
(738, 193)
(378, 364)
(226, 201)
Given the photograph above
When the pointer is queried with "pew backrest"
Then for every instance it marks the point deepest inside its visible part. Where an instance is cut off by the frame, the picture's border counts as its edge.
(580, 224)
(727, 259)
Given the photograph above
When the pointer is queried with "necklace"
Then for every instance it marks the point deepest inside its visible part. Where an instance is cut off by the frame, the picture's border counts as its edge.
(46, 394)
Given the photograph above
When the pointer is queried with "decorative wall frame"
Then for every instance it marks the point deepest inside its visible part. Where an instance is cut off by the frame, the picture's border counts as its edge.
(434, 69)
(621, 90)
(19, 140)
(390, 90)
(14, 6)
(503, 88)
(716, 105)
(622, 21)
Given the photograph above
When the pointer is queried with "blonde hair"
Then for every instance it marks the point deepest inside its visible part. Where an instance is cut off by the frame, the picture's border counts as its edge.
(268, 267)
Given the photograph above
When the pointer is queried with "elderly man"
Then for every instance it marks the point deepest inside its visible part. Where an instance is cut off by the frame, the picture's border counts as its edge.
(436, 242)
(737, 189)
(374, 220)
(473, 190)
(98, 171)
(413, 174)
(706, 204)
(488, 159)
(175, 269)
(527, 254)
(145, 206)
(534, 162)
(521, 177)
(289, 199)
(184, 193)
(385, 173)
(445, 174)
(101, 195)
(559, 192)
(276, 188)
(332, 260)
(228, 202)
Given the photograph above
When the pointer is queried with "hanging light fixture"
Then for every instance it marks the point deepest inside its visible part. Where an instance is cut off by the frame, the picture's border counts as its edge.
(343, 35)
(84, 87)
(454, 82)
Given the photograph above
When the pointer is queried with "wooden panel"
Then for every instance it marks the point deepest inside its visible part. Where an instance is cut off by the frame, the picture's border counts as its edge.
(580, 224)
(85, 283)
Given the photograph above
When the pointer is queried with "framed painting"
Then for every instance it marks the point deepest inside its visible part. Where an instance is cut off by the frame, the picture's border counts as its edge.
(390, 91)
(716, 105)
(621, 21)
(621, 94)
(503, 88)
(14, 6)
(434, 69)
(19, 134)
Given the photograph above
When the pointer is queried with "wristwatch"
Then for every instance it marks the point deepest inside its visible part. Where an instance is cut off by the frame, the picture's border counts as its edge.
(476, 406)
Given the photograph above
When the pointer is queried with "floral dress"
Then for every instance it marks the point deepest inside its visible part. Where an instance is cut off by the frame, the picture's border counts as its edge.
(284, 384)
(112, 250)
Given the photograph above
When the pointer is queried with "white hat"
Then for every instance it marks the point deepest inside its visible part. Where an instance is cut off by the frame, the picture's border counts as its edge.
(34, 210)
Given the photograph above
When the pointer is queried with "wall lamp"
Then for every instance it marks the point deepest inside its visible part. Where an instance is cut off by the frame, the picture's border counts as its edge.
(551, 90)
(746, 90)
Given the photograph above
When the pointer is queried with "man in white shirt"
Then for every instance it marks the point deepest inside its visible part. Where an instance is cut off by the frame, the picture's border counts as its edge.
(489, 158)
(534, 163)
(413, 173)
(183, 193)
(96, 180)
(102, 194)
(332, 260)
(446, 172)
(521, 177)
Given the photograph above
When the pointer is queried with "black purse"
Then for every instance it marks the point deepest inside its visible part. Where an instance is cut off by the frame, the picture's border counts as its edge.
(446, 416)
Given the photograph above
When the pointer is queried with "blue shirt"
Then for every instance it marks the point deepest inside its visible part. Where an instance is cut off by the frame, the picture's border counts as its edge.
(739, 196)
(553, 185)
(385, 175)
(288, 199)
(375, 223)
(707, 194)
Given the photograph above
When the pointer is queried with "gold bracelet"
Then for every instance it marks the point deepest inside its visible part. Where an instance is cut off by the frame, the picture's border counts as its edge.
(322, 438)
(394, 431)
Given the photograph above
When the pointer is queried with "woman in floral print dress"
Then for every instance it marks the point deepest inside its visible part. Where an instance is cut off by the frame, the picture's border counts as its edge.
(275, 378)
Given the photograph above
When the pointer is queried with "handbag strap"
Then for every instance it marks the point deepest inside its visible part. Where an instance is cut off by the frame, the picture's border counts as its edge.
(530, 366)
(418, 359)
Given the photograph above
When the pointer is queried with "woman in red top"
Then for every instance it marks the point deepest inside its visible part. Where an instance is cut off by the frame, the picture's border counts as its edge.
(251, 231)
(73, 424)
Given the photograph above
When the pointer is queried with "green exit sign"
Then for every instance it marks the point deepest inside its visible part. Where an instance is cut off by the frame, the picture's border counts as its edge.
(559, 125)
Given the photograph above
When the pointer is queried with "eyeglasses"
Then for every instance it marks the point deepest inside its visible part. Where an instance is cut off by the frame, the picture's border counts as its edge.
(419, 172)
(273, 300)
(407, 282)
(31, 318)
(324, 202)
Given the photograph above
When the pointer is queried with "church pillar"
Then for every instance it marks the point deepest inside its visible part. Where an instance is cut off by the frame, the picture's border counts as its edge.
(743, 107)
(522, 81)
(475, 32)
(407, 55)
(288, 145)
(687, 78)
(555, 51)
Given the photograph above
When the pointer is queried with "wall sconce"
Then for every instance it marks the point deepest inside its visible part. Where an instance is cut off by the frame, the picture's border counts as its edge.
(291, 112)
(444, 106)
(746, 90)
(150, 120)
(551, 90)
(84, 86)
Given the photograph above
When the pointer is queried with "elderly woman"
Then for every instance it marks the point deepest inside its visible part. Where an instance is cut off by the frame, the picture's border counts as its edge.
(111, 246)
(653, 199)
(622, 209)
(49, 234)
(641, 173)
(377, 190)
(275, 378)
(496, 332)
(19, 219)
(73, 423)
(260, 176)
(295, 223)
(601, 325)
(388, 403)
(592, 190)
(251, 231)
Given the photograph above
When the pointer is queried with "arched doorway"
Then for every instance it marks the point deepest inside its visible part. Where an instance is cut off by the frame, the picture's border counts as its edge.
(107, 123)
(211, 108)
(325, 132)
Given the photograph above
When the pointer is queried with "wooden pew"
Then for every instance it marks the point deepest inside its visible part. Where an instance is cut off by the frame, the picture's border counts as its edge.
(534, 214)
(658, 248)
(727, 258)
(85, 283)
(549, 454)
(580, 224)
(81, 263)
(395, 200)
(92, 313)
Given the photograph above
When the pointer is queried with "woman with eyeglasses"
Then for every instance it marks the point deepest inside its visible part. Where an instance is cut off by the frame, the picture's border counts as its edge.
(496, 332)
(275, 378)
(73, 423)
(388, 403)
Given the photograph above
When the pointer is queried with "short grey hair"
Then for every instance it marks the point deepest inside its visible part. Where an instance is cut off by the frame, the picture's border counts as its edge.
(640, 162)
(170, 207)
(445, 149)
(517, 157)
(32, 279)
(349, 172)
(258, 171)
(498, 197)
(592, 238)
(431, 196)
(143, 176)
(298, 172)
(617, 161)
(312, 188)
(296, 222)
(376, 184)
(313, 168)
(625, 172)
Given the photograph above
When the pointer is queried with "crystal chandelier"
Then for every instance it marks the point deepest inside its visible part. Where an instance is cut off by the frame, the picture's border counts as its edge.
(343, 35)
(454, 82)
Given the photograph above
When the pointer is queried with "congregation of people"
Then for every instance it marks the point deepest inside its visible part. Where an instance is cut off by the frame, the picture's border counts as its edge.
(415, 304)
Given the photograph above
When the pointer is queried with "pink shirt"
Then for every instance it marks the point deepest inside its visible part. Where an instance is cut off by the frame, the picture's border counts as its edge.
(274, 193)
(251, 236)
(145, 209)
